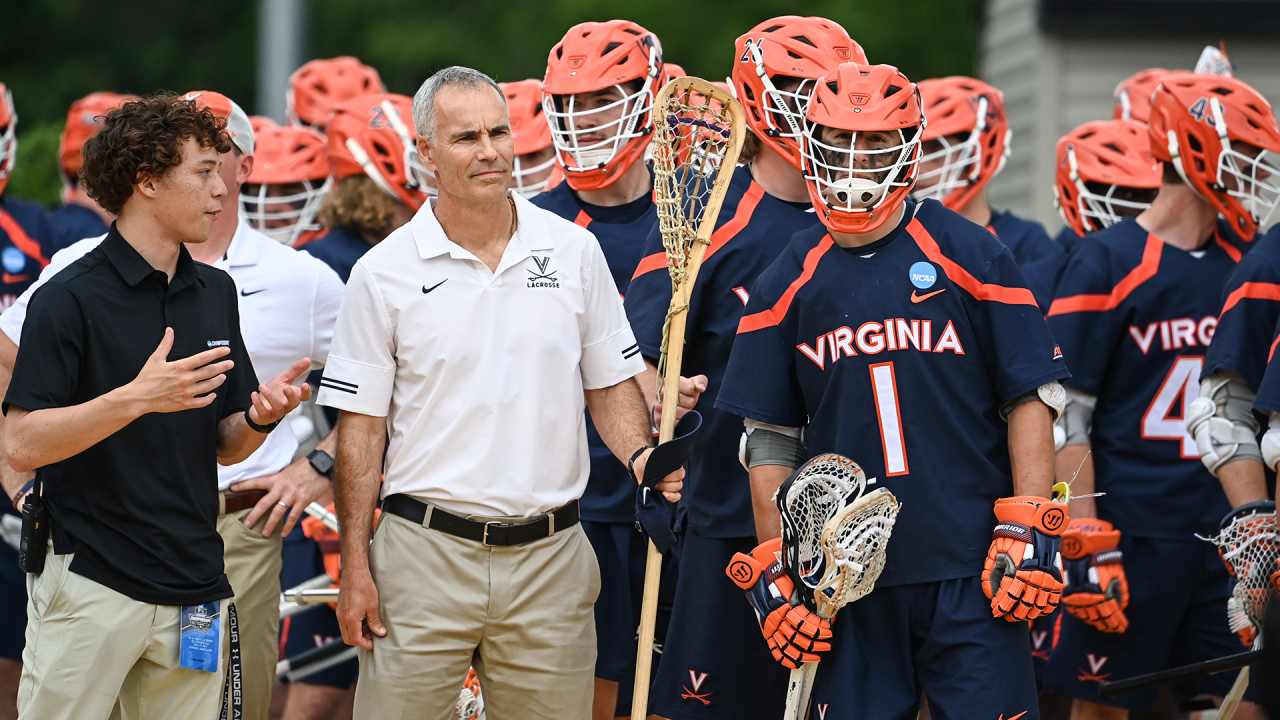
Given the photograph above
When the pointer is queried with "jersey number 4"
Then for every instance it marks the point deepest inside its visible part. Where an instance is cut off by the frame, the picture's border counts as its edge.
(1166, 418)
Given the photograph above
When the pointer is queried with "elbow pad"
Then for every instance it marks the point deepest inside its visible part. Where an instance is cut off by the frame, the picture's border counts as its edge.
(1077, 419)
(1221, 421)
(764, 444)
(1051, 394)
(1271, 442)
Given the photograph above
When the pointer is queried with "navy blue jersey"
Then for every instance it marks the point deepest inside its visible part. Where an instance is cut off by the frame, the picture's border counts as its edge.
(339, 248)
(1026, 239)
(1043, 275)
(24, 234)
(1268, 400)
(1066, 238)
(752, 229)
(621, 230)
(1134, 317)
(1250, 310)
(898, 355)
(70, 224)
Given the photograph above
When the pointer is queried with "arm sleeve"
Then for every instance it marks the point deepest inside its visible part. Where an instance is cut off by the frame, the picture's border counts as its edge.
(1021, 352)
(1085, 336)
(760, 382)
(649, 296)
(47, 371)
(360, 371)
(13, 318)
(610, 353)
(324, 313)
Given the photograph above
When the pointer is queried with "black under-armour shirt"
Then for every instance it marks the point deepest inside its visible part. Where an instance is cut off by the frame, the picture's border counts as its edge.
(140, 508)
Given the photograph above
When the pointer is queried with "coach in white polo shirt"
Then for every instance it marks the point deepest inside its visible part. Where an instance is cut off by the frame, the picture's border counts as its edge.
(472, 335)
(288, 305)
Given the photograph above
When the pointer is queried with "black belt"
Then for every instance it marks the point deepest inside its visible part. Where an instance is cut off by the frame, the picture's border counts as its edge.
(494, 532)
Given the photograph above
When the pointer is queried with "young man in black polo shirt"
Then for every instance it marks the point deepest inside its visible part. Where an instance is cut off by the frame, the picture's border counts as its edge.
(131, 381)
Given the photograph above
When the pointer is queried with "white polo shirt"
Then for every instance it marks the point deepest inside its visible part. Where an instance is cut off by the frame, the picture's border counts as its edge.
(288, 306)
(481, 374)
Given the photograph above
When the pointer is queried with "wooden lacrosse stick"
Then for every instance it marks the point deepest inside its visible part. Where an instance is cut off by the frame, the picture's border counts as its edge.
(1233, 698)
(673, 110)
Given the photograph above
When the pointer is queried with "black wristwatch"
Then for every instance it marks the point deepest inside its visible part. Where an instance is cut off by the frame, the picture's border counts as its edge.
(321, 461)
(264, 429)
(631, 464)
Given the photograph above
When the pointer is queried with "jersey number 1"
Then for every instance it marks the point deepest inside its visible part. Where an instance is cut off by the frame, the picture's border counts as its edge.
(1166, 418)
(885, 388)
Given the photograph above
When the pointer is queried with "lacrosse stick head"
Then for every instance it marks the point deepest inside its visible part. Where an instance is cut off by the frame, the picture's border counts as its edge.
(853, 547)
(1249, 543)
(806, 502)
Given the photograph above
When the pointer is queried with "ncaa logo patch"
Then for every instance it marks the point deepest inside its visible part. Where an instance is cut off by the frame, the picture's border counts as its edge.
(13, 260)
(923, 275)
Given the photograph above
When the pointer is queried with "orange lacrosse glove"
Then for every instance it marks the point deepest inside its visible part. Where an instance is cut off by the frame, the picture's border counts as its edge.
(1023, 573)
(795, 634)
(1097, 590)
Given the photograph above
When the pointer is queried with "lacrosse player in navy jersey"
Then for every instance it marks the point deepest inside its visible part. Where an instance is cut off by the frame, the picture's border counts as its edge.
(713, 665)
(902, 336)
(1134, 313)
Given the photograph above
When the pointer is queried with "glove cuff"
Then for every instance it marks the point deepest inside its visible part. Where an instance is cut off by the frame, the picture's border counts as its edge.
(1090, 536)
(1018, 515)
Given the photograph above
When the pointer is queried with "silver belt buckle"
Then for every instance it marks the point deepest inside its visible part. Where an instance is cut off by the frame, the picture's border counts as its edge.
(484, 540)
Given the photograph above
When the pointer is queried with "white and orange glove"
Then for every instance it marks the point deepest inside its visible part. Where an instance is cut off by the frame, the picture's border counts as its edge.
(1023, 573)
(794, 632)
(1097, 590)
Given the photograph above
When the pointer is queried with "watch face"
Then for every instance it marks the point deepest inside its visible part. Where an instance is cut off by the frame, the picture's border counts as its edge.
(321, 461)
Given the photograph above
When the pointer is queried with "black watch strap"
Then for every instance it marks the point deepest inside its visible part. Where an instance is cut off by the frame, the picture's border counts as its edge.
(321, 461)
(631, 464)
(264, 429)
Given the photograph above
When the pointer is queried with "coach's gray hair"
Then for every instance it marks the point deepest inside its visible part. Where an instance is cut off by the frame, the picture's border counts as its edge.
(424, 101)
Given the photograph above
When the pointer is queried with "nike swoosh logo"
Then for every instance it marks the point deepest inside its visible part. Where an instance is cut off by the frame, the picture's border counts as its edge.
(1024, 712)
(426, 289)
(921, 298)
(11, 279)
(247, 293)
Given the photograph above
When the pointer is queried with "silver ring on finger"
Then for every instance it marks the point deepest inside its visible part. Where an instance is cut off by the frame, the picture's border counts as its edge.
(286, 507)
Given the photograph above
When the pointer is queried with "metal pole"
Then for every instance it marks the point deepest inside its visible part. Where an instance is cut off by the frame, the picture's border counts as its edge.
(281, 25)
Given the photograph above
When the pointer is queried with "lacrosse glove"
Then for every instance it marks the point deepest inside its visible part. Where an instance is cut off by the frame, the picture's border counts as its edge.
(1023, 573)
(795, 634)
(1097, 590)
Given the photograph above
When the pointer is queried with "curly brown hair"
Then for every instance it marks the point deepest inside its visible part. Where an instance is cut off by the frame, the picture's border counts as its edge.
(356, 203)
(144, 137)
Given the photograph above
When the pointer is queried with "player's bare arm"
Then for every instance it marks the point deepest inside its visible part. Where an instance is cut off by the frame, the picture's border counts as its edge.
(765, 481)
(36, 439)
(619, 414)
(355, 483)
(1031, 449)
(271, 403)
(294, 488)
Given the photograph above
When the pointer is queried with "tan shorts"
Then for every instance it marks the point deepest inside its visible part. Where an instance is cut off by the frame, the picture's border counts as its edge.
(253, 568)
(522, 615)
(88, 644)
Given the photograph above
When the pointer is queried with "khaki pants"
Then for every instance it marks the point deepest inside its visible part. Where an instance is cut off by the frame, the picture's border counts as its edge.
(253, 568)
(88, 645)
(522, 615)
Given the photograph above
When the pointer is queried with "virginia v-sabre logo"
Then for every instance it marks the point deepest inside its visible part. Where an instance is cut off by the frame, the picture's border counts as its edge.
(543, 277)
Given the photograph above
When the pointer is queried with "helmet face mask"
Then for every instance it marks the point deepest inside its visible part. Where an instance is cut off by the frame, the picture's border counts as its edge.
(1101, 206)
(8, 136)
(284, 211)
(590, 139)
(535, 154)
(1247, 173)
(853, 178)
(968, 142)
(529, 176)
(1105, 172)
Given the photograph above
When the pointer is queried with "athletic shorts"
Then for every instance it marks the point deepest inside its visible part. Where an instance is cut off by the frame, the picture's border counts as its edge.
(1044, 636)
(621, 551)
(936, 637)
(715, 663)
(1177, 612)
(13, 602)
(315, 627)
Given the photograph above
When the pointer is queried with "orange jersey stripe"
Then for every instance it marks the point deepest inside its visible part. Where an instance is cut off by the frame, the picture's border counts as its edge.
(21, 239)
(583, 219)
(961, 277)
(722, 235)
(774, 315)
(1273, 348)
(1098, 303)
(1251, 291)
(1227, 247)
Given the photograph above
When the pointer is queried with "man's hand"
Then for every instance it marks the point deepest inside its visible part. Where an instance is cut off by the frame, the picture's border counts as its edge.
(690, 390)
(280, 396)
(165, 387)
(670, 486)
(297, 486)
(358, 608)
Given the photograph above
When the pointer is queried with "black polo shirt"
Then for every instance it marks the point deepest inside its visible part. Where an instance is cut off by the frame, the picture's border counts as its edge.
(140, 508)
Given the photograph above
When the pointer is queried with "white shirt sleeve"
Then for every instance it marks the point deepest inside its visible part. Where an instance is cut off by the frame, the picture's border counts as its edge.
(361, 369)
(610, 353)
(324, 313)
(13, 318)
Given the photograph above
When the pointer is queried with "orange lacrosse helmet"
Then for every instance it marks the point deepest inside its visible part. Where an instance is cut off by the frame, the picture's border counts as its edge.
(261, 123)
(671, 71)
(596, 56)
(532, 134)
(861, 172)
(1133, 95)
(1105, 172)
(369, 135)
(778, 51)
(975, 110)
(8, 135)
(289, 181)
(83, 119)
(1197, 121)
(318, 85)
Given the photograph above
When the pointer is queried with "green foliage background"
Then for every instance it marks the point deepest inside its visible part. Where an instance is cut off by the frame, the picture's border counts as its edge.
(54, 51)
